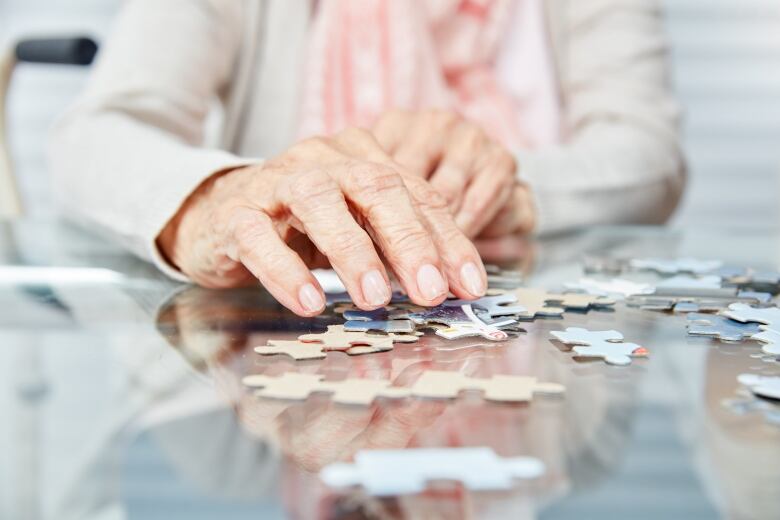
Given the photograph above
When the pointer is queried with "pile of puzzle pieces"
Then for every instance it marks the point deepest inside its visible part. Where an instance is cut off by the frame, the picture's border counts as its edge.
(730, 304)
(687, 284)
(492, 317)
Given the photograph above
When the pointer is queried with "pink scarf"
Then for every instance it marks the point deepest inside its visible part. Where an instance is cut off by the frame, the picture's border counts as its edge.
(368, 56)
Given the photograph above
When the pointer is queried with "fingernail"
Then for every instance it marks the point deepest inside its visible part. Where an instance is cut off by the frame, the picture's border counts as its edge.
(375, 289)
(310, 298)
(430, 282)
(471, 279)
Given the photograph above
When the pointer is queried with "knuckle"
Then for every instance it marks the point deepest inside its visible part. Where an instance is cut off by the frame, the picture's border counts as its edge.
(405, 240)
(310, 186)
(349, 244)
(430, 198)
(472, 136)
(374, 181)
(248, 237)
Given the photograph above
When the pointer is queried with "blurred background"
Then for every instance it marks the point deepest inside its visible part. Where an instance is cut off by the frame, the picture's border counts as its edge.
(726, 65)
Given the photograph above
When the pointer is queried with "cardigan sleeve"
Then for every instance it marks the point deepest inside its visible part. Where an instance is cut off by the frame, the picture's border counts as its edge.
(620, 161)
(130, 151)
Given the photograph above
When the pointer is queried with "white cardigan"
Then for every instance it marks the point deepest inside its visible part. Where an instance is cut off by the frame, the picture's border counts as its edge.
(133, 147)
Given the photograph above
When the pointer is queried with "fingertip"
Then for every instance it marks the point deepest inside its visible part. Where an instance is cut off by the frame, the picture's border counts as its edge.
(473, 279)
(311, 299)
(431, 284)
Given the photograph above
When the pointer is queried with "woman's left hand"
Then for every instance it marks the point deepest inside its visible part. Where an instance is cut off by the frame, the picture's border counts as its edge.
(476, 175)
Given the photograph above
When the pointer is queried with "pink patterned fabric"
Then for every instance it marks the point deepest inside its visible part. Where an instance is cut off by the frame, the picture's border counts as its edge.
(368, 56)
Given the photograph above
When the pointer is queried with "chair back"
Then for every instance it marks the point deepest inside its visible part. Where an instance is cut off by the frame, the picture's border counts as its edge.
(61, 51)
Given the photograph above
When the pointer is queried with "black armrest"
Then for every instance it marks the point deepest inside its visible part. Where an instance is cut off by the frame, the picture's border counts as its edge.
(65, 51)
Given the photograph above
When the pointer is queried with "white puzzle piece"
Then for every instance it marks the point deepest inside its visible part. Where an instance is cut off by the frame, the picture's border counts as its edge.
(612, 287)
(690, 282)
(476, 327)
(495, 305)
(605, 344)
(409, 471)
(675, 265)
(745, 313)
(762, 386)
(770, 339)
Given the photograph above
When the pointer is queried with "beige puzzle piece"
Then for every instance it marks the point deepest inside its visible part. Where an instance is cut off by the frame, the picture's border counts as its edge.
(292, 385)
(503, 388)
(301, 350)
(539, 302)
(336, 338)
(297, 350)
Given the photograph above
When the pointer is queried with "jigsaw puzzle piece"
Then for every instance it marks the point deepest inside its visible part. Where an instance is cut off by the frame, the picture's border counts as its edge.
(603, 344)
(337, 338)
(381, 314)
(435, 384)
(580, 336)
(332, 298)
(746, 314)
(362, 391)
(579, 301)
(605, 265)
(409, 471)
(720, 327)
(535, 303)
(390, 326)
(301, 350)
(440, 314)
(767, 387)
(297, 386)
(615, 286)
(613, 353)
(492, 306)
(297, 350)
(291, 385)
(675, 266)
(488, 329)
(682, 282)
(468, 330)
(770, 339)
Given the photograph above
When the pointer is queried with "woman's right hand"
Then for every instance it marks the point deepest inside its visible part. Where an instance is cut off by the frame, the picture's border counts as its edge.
(339, 201)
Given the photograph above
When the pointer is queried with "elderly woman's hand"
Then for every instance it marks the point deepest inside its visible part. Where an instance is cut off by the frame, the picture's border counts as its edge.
(339, 201)
(476, 175)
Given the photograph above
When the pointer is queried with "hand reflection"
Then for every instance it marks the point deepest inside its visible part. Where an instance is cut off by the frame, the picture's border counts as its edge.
(580, 438)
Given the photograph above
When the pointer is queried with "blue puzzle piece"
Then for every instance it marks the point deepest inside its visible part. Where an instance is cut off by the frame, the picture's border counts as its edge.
(720, 327)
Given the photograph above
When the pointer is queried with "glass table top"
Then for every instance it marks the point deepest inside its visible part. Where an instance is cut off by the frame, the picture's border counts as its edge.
(121, 397)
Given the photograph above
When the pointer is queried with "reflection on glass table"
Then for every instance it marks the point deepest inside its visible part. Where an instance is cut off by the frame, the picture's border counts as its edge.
(122, 398)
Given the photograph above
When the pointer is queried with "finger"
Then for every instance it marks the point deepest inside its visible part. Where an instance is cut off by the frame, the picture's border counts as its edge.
(259, 248)
(517, 216)
(488, 192)
(316, 200)
(462, 265)
(456, 167)
(379, 194)
(389, 130)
